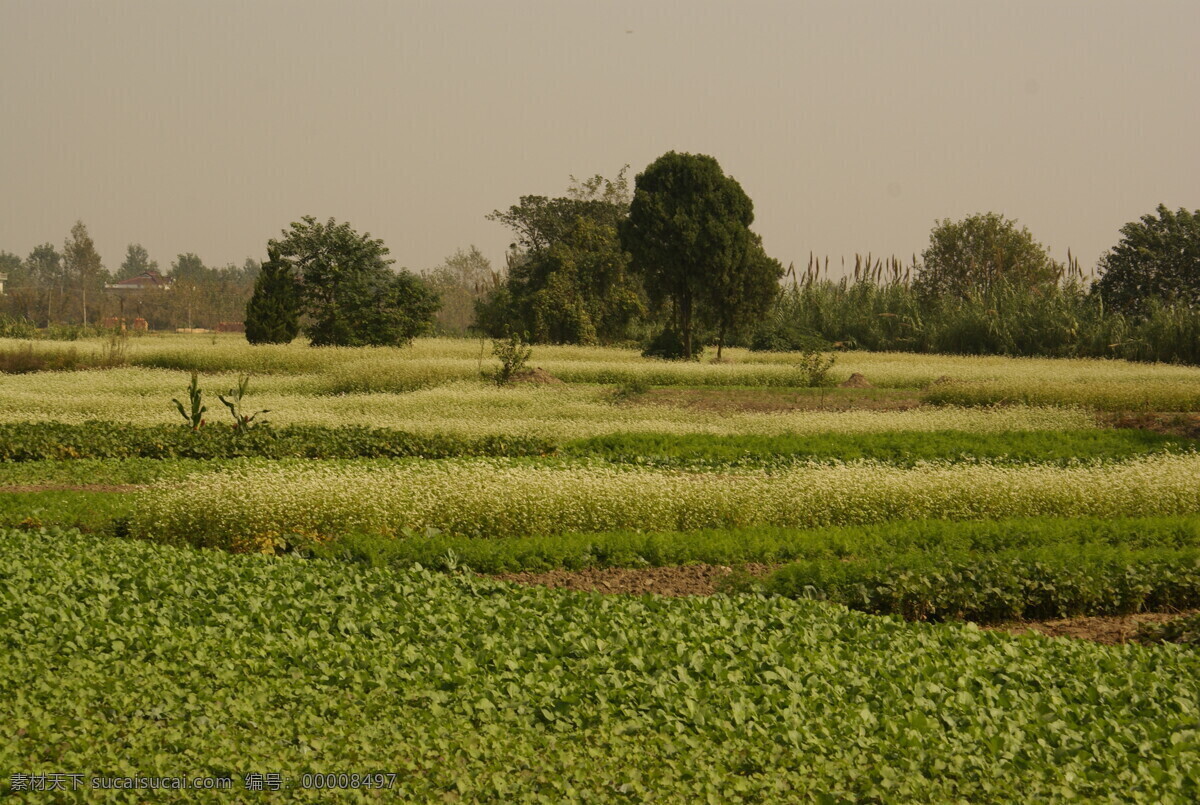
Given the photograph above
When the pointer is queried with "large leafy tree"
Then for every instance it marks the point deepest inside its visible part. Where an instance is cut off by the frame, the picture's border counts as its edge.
(738, 296)
(979, 253)
(273, 312)
(688, 232)
(578, 290)
(1158, 257)
(568, 277)
(348, 291)
(540, 222)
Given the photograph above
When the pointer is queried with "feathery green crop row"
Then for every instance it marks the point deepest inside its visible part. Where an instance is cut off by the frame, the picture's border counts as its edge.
(762, 544)
(113, 440)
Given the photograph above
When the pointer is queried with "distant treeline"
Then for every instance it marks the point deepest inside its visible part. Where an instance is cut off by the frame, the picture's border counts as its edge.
(983, 286)
(65, 288)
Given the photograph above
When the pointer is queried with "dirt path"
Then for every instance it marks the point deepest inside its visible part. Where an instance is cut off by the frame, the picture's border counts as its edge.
(684, 580)
(71, 488)
(1110, 630)
(758, 401)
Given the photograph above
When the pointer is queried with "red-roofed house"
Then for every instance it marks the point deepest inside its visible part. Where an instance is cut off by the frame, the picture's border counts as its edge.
(146, 281)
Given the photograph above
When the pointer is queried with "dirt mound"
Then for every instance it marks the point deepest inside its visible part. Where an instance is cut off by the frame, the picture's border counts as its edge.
(856, 381)
(71, 488)
(538, 376)
(685, 580)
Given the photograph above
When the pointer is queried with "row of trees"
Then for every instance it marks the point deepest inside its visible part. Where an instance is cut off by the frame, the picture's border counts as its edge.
(67, 286)
(591, 267)
(674, 263)
(668, 262)
(1156, 262)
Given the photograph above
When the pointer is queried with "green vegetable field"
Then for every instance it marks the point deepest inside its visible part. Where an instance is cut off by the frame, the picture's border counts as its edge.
(321, 593)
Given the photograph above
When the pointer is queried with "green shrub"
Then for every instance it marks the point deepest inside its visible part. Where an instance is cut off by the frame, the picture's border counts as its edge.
(1185, 629)
(669, 345)
(513, 353)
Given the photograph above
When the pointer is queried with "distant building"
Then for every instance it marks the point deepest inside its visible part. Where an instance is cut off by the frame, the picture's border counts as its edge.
(3, 279)
(146, 281)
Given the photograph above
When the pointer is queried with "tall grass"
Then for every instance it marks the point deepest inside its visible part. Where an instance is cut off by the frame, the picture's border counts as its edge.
(878, 308)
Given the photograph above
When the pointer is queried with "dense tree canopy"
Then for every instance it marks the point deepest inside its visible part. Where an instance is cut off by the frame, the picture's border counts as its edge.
(273, 312)
(688, 232)
(978, 253)
(568, 278)
(348, 291)
(137, 261)
(1158, 258)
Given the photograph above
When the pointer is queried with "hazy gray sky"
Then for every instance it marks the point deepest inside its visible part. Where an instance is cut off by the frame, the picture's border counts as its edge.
(208, 126)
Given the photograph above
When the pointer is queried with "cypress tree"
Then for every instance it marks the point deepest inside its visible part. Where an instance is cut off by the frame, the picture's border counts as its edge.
(273, 312)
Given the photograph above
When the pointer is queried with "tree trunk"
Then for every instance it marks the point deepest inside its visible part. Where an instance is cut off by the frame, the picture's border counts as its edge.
(685, 320)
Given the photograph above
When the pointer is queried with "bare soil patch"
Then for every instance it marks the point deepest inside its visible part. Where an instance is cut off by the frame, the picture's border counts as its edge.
(674, 581)
(1110, 630)
(71, 488)
(757, 401)
(1171, 423)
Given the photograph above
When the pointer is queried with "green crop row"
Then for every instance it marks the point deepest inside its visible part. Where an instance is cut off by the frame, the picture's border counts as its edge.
(759, 544)
(89, 511)
(20, 442)
(54, 440)
(1047, 582)
(1104, 396)
(472, 690)
(897, 448)
(121, 471)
